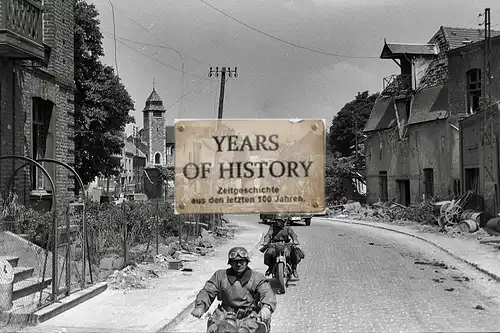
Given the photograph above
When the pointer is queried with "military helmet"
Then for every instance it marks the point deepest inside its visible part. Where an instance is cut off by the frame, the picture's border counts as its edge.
(238, 253)
(280, 220)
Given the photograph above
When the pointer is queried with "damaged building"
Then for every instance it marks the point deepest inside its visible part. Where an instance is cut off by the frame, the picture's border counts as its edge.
(480, 126)
(413, 138)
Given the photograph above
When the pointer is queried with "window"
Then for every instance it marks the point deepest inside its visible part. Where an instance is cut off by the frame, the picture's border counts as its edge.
(42, 142)
(157, 114)
(384, 195)
(157, 158)
(428, 183)
(473, 90)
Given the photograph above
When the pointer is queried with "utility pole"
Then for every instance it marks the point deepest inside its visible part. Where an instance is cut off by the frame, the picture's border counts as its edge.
(356, 135)
(487, 67)
(223, 72)
(135, 159)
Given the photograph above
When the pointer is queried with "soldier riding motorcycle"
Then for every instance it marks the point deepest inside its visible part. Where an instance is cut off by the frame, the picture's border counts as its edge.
(281, 232)
(247, 300)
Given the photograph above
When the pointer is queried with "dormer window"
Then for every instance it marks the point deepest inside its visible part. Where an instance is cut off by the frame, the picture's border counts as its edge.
(473, 90)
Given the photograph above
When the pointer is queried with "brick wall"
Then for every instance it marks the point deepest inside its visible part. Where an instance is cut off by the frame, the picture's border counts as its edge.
(54, 83)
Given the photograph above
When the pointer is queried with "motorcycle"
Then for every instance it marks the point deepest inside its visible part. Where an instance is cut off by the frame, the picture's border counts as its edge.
(282, 270)
(232, 324)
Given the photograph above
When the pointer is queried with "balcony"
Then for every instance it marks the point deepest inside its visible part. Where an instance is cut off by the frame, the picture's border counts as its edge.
(21, 30)
(396, 83)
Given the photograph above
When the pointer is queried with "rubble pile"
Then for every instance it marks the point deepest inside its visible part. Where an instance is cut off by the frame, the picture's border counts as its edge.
(131, 277)
(445, 216)
(146, 264)
(387, 212)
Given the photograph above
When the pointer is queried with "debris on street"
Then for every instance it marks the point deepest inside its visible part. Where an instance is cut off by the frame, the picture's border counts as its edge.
(449, 217)
(130, 278)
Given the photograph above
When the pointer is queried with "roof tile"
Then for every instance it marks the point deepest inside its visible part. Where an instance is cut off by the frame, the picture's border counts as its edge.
(154, 102)
(429, 104)
(382, 115)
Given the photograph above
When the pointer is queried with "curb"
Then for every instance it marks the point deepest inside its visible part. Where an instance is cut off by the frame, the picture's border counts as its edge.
(187, 310)
(472, 264)
(67, 303)
(54, 309)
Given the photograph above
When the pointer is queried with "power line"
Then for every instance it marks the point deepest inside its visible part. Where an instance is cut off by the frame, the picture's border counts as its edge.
(284, 41)
(152, 45)
(160, 62)
(193, 88)
(199, 100)
(114, 36)
(151, 34)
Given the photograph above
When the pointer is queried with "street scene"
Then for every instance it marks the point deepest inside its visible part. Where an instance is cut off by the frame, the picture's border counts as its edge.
(212, 166)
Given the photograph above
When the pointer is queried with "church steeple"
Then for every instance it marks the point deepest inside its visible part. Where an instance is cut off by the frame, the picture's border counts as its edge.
(154, 129)
(154, 102)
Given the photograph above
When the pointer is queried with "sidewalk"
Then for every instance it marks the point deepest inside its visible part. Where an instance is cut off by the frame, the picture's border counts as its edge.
(483, 257)
(149, 310)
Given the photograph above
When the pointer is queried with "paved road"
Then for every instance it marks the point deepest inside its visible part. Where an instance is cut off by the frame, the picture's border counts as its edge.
(356, 278)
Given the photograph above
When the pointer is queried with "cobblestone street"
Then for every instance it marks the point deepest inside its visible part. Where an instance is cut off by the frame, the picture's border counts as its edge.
(357, 278)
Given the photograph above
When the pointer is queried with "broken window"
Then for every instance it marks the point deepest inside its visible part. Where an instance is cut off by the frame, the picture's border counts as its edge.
(473, 90)
(384, 195)
(472, 180)
(43, 144)
(428, 183)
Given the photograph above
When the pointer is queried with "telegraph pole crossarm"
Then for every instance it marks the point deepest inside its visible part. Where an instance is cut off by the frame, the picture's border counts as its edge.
(223, 72)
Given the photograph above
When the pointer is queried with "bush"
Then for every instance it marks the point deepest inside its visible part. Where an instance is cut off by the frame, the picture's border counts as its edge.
(105, 224)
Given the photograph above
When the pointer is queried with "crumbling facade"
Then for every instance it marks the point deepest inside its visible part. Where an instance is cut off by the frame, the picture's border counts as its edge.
(480, 126)
(412, 146)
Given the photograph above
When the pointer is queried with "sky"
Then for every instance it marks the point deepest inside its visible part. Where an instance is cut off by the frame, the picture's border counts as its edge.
(335, 51)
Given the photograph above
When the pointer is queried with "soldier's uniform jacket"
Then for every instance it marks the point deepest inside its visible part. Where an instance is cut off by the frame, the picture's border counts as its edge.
(277, 234)
(251, 290)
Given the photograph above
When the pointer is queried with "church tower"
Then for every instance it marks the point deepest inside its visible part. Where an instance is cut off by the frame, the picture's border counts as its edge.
(154, 129)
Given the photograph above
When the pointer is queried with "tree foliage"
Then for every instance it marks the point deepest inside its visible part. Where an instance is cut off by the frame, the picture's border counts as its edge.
(338, 169)
(102, 103)
(342, 131)
(167, 174)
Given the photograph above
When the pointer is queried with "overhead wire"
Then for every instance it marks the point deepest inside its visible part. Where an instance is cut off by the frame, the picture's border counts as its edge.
(152, 45)
(200, 99)
(284, 41)
(114, 36)
(187, 93)
(160, 62)
(154, 36)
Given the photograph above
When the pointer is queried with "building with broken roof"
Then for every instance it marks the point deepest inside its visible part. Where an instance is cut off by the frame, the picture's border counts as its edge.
(480, 126)
(412, 146)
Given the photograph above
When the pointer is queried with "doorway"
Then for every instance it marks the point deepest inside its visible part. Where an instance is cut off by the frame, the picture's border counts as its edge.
(404, 191)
